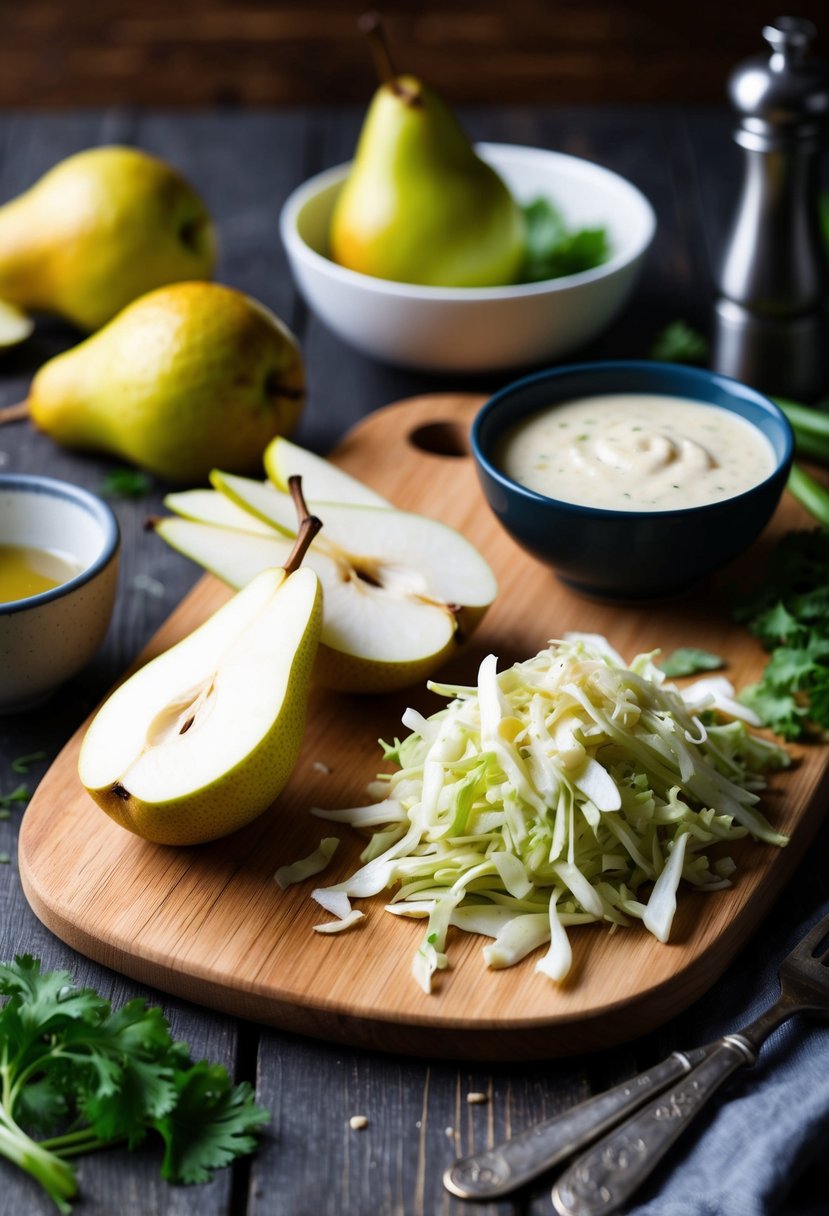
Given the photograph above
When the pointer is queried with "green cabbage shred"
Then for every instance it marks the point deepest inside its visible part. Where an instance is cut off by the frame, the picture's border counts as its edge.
(564, 790)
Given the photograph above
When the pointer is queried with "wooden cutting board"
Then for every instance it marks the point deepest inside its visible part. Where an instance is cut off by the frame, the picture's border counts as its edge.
(210, 924)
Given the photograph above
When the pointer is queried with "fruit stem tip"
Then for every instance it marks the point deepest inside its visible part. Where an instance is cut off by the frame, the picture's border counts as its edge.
(371, 24)
(14, 413)
(309, 525)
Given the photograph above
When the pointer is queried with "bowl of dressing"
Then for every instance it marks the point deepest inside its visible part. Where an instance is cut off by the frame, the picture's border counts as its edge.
(58, 574)
(632, 479)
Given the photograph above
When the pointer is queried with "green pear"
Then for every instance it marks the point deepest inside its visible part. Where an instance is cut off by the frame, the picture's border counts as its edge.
(419, 205)
(184, 378)
(98, 230)
(202, 739)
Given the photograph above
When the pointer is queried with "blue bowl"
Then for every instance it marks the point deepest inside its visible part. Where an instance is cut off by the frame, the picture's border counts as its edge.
(633, 555)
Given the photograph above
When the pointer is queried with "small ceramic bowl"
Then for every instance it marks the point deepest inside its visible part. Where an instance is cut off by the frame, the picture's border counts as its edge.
(477, 329)
(629, 555)
(46, 638)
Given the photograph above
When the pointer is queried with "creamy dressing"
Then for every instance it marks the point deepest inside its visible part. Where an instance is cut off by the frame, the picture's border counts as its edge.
(636, 452)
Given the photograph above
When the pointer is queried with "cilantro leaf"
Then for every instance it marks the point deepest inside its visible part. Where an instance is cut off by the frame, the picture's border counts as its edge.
(22, 793)
(789, 613)
(68, 1060)
(679, 343)
(552, 249)
(126, 483)
(212, 1123)
(687, 660)
(22, 763)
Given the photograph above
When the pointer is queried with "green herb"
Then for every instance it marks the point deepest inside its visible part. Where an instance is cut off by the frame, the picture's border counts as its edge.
(126, 483)
(553, 249)
(688, 660)
(5, 859)
(22, 763)
(789, 613)
(679, 343)
(21, 794)
(91, 1077)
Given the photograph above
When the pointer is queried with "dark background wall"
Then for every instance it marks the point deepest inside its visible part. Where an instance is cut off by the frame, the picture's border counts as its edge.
(274, 52)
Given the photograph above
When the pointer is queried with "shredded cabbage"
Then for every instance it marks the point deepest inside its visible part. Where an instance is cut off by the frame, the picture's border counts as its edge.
(564, 790)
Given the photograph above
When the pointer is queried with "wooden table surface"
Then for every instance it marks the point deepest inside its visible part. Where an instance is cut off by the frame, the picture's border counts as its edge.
(310, 1162)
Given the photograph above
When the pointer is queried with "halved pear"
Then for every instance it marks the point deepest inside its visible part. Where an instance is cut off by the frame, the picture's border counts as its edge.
(322, 480)
(400, 591)
(202, 739)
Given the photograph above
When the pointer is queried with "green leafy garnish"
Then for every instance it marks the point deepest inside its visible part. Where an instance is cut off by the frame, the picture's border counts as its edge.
(22, 763)
(553, 250)
(687, 660)
(789, 613)
(21, 793)
(679, 343)
(90, 1076)
(126, 483)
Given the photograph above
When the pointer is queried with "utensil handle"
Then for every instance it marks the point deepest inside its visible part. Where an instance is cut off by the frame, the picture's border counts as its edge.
(507, 1166)
(605, 1177)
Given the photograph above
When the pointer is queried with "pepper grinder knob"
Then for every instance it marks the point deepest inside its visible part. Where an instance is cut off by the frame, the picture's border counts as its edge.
(771, 320)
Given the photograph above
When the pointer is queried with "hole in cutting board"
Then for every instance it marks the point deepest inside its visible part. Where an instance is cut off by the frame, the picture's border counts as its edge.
(441, 439)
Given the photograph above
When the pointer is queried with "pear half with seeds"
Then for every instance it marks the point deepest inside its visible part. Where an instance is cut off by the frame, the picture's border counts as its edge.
(202, 739)
(401, 591)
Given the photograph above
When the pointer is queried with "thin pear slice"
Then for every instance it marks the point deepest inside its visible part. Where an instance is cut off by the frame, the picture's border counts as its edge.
(203, 738)
(15, 325)
(259, 498)
(211, 507)
(233, 556)
(400, 590)
(322, 480)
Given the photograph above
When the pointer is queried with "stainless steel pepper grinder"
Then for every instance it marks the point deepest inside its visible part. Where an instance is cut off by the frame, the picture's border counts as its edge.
(771, 322)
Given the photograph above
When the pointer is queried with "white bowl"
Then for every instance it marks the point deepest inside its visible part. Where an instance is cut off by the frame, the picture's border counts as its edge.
(477, 328)
(46, 638)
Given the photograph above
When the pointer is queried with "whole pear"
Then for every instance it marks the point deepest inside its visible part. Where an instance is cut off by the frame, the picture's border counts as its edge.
(187, 377)
(419, 205)
(98, 230)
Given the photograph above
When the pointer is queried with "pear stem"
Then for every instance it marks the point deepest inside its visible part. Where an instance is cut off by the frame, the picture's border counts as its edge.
(371, 25)
(309, 526)
(14, 413)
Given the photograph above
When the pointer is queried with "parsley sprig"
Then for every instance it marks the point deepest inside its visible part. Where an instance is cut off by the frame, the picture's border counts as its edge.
(91, 1077)
(789, 613)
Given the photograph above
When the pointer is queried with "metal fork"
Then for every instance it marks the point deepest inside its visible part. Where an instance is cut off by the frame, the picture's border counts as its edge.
(506, 1167)
(606, 1176)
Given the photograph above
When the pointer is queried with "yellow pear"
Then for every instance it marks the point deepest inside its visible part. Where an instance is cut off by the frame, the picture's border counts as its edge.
(184, 378)
(202, 739)
(419, 205)
(98, 230)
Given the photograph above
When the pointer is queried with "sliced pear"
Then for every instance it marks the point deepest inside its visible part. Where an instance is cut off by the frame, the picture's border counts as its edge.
(400, 591)
(211, 507)
(259, 498)
(322, 480)
(204, 737)
(15, 325)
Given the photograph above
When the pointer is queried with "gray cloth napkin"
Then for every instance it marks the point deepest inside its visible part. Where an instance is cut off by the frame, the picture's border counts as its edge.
(761, 1147)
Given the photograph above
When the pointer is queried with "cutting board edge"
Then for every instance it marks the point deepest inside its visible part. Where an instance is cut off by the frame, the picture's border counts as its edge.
(428, 1035)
